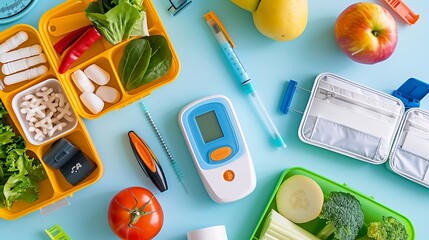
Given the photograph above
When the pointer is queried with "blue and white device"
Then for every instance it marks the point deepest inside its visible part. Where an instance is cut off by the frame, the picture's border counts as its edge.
(216, 143)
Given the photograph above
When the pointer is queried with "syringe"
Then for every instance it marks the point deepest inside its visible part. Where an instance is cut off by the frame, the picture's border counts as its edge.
(173, 162)
(226, 45)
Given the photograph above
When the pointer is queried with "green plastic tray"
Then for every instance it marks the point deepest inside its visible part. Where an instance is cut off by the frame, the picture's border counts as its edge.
(373, 211)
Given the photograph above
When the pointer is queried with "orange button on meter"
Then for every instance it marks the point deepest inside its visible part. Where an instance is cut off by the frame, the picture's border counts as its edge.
(228, 175)
(220, 153)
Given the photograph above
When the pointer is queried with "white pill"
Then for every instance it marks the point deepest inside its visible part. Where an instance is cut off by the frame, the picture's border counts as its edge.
(13, 42)
(82, 82)
(25, 75)
(92, 102)
(20, 53)
(97, 74)
(16, 66)
(107, 94)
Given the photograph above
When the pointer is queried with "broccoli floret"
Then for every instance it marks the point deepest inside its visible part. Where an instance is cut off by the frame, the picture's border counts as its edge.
(344, 216)
(388, 229)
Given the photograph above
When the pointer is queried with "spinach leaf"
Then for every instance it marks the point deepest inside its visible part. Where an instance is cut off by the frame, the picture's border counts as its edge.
(134, 63)
(160, 61)
(144, 60)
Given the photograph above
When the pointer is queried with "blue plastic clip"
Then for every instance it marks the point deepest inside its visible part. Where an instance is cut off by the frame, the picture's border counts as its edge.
(177, 6)
(411, 92)
(287, 97)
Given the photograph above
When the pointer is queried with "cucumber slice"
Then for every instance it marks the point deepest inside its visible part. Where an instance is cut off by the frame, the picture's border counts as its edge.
(299, 199)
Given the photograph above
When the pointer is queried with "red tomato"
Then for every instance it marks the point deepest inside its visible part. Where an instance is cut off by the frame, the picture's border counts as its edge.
(135, 214)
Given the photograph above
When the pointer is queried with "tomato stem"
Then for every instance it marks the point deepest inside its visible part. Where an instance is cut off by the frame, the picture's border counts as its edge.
(136, 213)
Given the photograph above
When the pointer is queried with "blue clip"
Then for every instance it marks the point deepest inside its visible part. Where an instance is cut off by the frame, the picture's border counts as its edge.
(411, 92)
(287, 97)
(177, 6)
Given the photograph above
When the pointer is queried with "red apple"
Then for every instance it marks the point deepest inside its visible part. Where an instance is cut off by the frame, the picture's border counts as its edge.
(366, 32)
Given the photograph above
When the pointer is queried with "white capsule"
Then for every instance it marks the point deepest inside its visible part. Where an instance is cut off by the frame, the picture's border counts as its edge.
(20, 53)
(107, 94)
(82, 82)
(13, 42)
(97, 74)
(92, 102)
(25, 75)
(13, 67)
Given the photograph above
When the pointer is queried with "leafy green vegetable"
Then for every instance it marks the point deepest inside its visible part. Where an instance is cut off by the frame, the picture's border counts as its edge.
(388, 229)
(160, 60)
(144, 60)
(134, 62)
(282, 228)
(344, 216)
(117, 20)
(19, 173)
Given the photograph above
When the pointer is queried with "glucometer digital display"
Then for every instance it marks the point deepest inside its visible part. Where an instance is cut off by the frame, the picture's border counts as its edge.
(218, 148)
(209, 126)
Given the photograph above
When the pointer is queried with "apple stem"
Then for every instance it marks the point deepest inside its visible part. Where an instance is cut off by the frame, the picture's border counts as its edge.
(375, 33)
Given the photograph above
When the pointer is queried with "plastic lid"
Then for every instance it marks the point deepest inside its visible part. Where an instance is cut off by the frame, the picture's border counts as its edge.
(411, 92)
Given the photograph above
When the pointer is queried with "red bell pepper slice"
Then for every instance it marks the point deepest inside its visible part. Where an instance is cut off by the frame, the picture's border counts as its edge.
(69, 39)
(78, 48)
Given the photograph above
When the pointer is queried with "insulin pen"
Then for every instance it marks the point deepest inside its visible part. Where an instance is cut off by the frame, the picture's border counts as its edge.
(227, 45)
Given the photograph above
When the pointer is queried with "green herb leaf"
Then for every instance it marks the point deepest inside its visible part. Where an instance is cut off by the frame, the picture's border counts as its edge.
(134, 62)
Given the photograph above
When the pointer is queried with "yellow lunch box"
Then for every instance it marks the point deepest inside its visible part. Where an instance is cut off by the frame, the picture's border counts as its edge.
(54, 25)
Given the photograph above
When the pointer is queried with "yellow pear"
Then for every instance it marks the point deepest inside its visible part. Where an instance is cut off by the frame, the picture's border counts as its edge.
(281, 20)
(249, 5)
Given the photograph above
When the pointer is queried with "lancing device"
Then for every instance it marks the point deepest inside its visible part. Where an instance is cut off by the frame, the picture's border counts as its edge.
(217, 146)
(148, 161)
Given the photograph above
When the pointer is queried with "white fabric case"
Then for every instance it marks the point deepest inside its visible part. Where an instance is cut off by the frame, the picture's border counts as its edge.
(367, 125)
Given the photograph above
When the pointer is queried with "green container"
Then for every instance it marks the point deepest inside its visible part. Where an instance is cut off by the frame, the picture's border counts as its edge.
(373, 211)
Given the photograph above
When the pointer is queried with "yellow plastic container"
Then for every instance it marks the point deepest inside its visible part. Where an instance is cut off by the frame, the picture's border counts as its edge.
(53, 25)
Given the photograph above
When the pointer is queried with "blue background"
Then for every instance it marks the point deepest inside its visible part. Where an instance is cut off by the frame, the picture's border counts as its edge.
(204, 72)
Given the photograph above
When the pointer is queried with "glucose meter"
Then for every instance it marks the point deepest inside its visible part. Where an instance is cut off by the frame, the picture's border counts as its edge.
(216, 143)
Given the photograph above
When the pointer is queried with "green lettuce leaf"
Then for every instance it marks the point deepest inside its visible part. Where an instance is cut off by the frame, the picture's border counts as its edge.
(19, 173)
(6, 134)
(2, 197)
(19, 187)
(118, 20)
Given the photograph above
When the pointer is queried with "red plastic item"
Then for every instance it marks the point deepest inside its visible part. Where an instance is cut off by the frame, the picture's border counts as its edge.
(403, 11)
